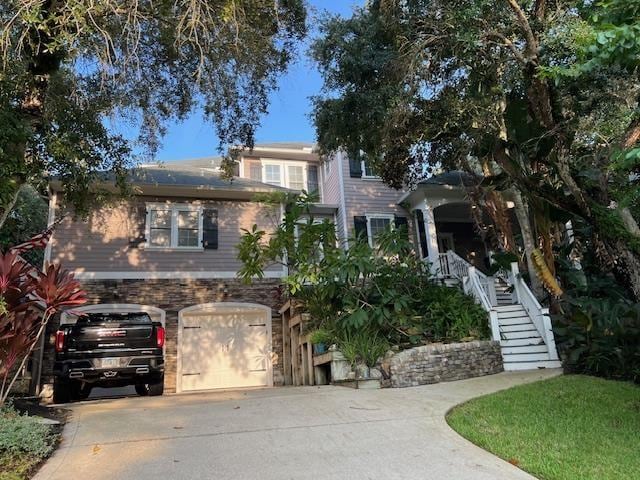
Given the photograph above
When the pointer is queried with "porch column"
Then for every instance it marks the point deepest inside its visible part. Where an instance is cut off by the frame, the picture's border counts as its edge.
(431, 235)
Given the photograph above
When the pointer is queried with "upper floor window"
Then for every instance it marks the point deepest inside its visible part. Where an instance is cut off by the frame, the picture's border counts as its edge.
(290, 174)
(174, 226)
(367, 170)
(272, 175)
(296, 177)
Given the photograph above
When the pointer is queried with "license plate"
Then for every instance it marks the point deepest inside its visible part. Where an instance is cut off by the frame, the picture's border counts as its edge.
(109, 362)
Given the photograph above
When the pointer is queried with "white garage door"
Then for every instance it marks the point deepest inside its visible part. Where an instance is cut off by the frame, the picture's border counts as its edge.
(224, 346)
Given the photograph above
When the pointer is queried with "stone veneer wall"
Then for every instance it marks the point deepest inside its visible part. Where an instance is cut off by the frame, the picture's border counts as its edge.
(172, 296)
(440, 362)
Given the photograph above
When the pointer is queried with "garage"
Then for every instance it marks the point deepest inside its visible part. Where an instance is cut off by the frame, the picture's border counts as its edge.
(224, 345)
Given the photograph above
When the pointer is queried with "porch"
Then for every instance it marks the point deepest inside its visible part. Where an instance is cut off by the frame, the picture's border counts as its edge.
(448, 241)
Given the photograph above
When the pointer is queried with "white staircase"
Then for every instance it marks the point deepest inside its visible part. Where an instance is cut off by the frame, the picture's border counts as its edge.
(518, 321)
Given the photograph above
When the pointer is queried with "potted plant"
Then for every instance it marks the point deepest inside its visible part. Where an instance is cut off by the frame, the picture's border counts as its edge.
(320, 339)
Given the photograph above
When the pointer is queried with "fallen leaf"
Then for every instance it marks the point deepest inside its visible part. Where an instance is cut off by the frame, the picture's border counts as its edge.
(236, 408)
(178, 428)
(96, 449)
(514, 461)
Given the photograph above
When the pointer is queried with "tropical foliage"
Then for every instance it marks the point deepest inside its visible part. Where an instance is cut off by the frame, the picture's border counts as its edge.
(362, 298)
(29, 298)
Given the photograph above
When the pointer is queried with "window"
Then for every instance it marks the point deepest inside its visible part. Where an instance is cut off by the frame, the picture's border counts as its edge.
(174, 226)
(272, 175)
(296, 177)
(160, 232)
(367, 170)
(377, 224)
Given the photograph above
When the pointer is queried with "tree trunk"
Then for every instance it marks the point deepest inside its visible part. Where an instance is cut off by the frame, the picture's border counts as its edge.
(8, 208)
(522, 213)
(626, 266)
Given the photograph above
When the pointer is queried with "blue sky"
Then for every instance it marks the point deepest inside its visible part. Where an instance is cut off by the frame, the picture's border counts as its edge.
(287, 119)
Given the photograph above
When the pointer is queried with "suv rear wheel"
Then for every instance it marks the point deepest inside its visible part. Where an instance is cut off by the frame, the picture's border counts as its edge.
(152, 389)
(61, 391)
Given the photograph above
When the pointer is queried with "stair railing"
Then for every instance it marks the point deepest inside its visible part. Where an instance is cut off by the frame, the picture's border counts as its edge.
(472, 284)
(538, 314)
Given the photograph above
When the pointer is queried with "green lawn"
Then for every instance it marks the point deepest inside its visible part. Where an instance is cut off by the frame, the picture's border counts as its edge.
(571, 427)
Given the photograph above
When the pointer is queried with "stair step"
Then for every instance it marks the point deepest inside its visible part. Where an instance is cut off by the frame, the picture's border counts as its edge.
(510, 308)
(523, 349)
(525, 357)
(519, 335)
(510, 366)
(514, 320)
(523, 327)
(513, 314)
(522, 342)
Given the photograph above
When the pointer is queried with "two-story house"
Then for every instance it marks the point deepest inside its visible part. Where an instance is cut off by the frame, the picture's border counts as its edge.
(170, 250)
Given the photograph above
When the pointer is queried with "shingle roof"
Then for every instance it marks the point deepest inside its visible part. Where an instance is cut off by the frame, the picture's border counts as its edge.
(197, 174)
(454, 178)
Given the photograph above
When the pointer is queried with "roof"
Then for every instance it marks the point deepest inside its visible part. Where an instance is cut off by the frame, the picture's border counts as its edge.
(454, 178)
(286, 145)
(193, 178)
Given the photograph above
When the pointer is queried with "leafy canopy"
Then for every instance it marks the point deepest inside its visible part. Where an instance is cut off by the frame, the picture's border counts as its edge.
(539, 96)
(71, 69)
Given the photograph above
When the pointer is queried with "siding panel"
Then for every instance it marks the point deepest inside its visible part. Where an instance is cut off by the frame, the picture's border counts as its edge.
(101, 243)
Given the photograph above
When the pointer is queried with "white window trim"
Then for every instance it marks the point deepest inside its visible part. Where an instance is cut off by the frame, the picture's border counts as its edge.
(385, 216)
(364, 172)
(284, 171)
(175, 208)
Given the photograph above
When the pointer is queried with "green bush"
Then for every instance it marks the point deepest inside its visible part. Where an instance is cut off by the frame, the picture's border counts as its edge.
(597, 327)
(364, 347)
(23, 434)
(600, 336)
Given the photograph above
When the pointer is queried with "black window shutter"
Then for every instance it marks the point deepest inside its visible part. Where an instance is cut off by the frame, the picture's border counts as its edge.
(402, 222)
(210, 229)
(422, 235)
(312, 179)
(360, 227)
(138, 225)
(355, 166)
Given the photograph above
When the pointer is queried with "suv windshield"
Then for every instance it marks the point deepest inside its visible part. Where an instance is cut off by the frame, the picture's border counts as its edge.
(138, 317)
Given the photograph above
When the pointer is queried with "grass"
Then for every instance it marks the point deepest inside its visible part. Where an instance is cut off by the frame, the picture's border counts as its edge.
(566, 428)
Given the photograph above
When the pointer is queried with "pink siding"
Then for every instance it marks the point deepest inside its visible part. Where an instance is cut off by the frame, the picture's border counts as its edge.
(101, 243)
(369, 196)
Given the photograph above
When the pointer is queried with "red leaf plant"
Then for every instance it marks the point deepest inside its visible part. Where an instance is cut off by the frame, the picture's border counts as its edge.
(28, 300)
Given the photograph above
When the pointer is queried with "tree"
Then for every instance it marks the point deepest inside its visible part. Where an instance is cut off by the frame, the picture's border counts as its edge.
(70, 69)
(518, 93)
(28, 218)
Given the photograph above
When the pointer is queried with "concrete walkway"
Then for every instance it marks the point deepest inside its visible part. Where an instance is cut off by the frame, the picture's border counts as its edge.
(281, 433)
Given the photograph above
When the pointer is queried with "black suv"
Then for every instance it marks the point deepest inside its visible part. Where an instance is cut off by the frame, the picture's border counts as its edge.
(108, 350)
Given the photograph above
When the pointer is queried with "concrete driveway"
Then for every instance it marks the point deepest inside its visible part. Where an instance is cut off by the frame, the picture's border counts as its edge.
(281, 433)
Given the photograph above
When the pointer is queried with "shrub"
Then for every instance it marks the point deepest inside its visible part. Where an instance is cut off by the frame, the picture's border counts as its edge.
(21, 434)
(600, 336)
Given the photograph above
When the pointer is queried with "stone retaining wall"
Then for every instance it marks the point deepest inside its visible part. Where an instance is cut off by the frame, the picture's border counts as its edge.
(441, 362)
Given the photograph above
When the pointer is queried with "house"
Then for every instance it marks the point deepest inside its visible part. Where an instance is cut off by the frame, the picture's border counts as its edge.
(170, 250)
